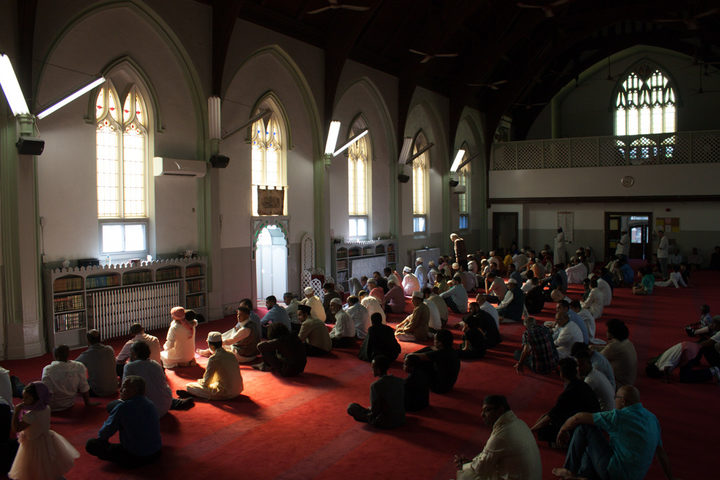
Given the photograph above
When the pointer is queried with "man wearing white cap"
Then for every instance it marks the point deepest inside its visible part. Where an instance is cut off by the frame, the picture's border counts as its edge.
(343, 333)
(512, 308)
(421, 272)
(316, 307)
(415, 327)
(410, 282)
(222, 379)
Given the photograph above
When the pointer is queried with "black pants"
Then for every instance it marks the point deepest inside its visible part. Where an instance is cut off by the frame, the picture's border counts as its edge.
(116, 453)
(313, 351)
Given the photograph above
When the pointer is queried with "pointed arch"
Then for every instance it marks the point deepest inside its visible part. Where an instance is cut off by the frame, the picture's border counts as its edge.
(268, 140)
(420, 183)
(359, 164)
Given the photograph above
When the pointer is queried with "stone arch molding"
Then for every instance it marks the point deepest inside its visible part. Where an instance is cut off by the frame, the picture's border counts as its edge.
(165, 34)
(301, 83)
(259, 224)
(381, 107)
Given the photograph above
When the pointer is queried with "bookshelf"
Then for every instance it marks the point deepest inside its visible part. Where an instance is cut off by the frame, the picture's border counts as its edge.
(112, 296)
(361, 258)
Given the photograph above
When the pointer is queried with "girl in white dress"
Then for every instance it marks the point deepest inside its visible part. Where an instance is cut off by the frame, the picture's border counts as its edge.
(43, 454)
(179, 348)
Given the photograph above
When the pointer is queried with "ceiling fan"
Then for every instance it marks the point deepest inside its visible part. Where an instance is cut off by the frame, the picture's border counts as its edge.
(691, 22)
(529, 106)
(429, 56)
(547, 8)
(491, 86)
(334, 5)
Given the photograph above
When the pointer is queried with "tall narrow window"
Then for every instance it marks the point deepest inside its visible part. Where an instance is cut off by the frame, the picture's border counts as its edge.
(421, 166)
(358, 185)
(121, 153)
(645, 104)
(464, 196)
(268, 158)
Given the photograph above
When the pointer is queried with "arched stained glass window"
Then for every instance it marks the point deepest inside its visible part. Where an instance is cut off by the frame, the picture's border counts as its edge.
(645, 103)
(121, 156)
(268, 155)
(358, 184)
(421, 167)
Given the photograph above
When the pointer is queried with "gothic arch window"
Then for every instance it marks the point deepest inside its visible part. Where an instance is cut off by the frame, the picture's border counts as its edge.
(359, 154)
(464, 192)
(122, 146)
(645, 108)
(421, 187)
(268, 153)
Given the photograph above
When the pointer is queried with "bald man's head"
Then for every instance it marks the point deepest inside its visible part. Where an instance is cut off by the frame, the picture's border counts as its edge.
(629, 395)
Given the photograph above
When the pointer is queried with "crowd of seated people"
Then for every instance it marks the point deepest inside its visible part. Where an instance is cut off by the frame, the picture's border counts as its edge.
(507, 285)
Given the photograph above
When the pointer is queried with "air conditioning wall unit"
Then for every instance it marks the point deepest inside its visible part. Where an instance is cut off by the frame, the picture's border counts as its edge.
(178, 167)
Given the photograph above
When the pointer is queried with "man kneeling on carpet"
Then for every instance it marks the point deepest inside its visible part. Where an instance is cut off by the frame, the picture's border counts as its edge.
(222, 379)
(510, 452)
(136, 418)
(387, 398)
(283, 353)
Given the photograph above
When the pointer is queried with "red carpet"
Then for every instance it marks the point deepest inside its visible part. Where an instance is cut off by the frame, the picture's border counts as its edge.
(298, 428)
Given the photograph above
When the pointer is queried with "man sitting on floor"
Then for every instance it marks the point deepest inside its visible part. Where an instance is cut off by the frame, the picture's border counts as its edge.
(441, 362)
(604, 390)
(566, 334)
(512, 308)
(283, 353)
(316, 306)
(387, 398)
(510, 452)
(599, 362)
(380, 340)
(137, 420)
(415, 327)
(456, 297)
(372, 305)
(343, 333)
(417, 385)
(359, 315)
(432, 297)
(313, 333)
(138, 333)
(65, 379)
(275, 314)
(156, 384)
(576, 397)
(634, 440)
(563, 306)
(410, 282)
(621, 353)
(395, 298)
(473, 340)
(242, 339)
(222, 379)
(495, 288)
(99, 360)
(538, 351)
(329, 294)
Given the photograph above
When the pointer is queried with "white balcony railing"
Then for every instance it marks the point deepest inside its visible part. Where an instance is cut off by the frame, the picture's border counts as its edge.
(653, 149)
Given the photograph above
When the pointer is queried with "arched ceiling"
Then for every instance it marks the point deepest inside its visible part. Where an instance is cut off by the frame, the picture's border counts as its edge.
(499, 56)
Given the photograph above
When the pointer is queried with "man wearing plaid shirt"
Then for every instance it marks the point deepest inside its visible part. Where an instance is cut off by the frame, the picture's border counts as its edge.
(538, 350)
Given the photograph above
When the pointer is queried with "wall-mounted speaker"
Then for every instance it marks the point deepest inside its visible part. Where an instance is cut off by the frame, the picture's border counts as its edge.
(30, 146)
(219, 161)
(454, 183)
(403, 178)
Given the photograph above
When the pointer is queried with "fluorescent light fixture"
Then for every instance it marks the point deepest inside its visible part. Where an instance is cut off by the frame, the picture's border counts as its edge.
(11, 87)
(350, 142)
(420, 152)
(458, 158)
(332, 137)
(262, 115)
(70, 98)
(214, 118)
(405, 151)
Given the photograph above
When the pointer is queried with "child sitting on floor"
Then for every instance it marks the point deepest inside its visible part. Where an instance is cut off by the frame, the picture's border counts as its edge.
(646, 284)
(701, 327)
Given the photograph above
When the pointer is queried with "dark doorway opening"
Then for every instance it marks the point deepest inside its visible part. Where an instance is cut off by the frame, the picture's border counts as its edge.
(637, 225)
(505, 229)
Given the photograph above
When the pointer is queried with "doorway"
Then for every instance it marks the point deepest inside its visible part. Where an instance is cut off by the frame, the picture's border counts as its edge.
(637, 224)
(505, 229)
(271, 263)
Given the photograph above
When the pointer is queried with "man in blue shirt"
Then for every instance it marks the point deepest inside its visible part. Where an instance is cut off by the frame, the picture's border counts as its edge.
(136, 418)
(634, 440)
(275, 314)
(456, 297)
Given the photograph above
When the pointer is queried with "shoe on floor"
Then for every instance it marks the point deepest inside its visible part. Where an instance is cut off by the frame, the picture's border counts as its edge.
(183, 394)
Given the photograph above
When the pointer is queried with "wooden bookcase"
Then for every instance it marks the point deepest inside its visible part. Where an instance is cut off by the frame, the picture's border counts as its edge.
(129, 293)
(361, 255)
